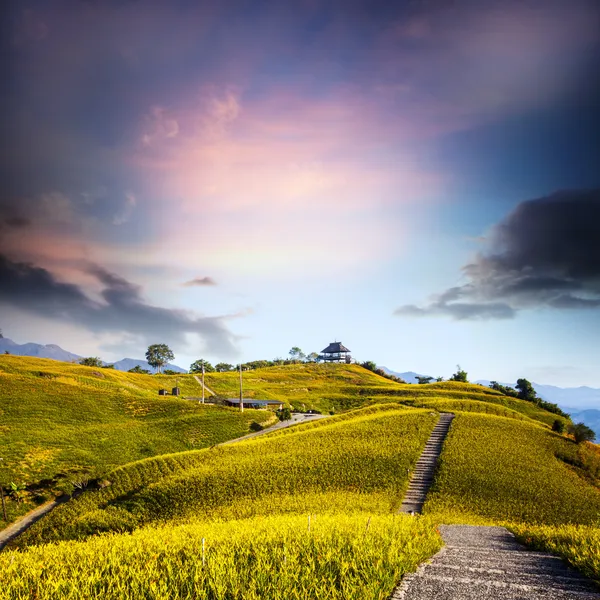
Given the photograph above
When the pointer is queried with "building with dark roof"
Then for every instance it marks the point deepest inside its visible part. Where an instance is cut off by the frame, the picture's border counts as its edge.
(252, 403)
(335, 352)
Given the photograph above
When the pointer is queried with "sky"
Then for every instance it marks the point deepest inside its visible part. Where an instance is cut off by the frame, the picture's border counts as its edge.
(419, 180)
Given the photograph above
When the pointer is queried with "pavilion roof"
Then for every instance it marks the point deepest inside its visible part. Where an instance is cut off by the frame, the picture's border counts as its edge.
(335, 347)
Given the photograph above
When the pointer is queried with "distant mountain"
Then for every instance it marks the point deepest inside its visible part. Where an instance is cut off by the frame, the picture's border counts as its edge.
(129, 363)
(577, 399)
(48, 351)
(408, 376)
(57, 353)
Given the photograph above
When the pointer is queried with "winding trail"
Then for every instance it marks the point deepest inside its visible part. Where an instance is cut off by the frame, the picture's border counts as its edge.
(487, 563)
(17, 528)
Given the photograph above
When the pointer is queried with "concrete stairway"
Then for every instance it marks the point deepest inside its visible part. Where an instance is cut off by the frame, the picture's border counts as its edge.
(422, 476)
(487, 563)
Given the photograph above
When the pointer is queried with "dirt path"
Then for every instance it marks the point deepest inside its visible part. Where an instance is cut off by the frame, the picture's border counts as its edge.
(17, 528)
(487, 563)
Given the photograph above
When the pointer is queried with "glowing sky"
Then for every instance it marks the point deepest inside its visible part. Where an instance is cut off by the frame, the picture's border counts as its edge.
(417, 179)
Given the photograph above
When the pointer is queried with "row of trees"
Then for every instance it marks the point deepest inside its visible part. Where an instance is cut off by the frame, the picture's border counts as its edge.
(524, 390)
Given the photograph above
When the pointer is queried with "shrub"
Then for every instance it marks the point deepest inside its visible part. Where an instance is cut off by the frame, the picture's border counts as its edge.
(558, 426)
(284, 414)
(582, 433)
(91, 361)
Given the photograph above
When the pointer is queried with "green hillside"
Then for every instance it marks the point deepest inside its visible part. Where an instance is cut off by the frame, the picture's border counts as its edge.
(251, 504)
(313, 507)
(340, 463)
(62, 423)
(499, 469)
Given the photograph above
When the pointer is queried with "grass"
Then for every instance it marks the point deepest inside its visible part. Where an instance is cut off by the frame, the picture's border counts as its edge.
(475, 406)
(63, 423)
(360, 462)
(342, 557)
(579, 545)
(500, 469)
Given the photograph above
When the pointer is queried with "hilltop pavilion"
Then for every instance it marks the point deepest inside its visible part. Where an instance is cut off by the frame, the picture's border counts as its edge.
(335, 352)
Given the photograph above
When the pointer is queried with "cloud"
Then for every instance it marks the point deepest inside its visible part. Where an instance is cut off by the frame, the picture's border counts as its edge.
(126, 211)
(200, 281)
(121, 308)
(16, 222)
(160, 125)
(545, 254)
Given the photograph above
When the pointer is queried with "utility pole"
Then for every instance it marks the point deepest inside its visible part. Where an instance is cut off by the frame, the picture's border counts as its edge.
(202, 383)
(3, 502)
(241, 394)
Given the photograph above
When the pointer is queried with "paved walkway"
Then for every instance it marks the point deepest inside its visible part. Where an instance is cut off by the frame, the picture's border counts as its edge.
(296, 419)
(422, 477)
(487, 563)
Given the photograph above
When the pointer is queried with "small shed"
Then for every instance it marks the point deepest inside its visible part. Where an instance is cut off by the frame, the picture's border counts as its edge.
(335, 352)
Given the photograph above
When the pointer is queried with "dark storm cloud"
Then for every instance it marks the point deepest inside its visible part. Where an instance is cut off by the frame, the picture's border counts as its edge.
(16, 222)
(200, 281)
(122, 309)
(546, 253)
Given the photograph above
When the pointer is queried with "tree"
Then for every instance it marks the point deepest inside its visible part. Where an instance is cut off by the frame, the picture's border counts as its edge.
(284, 414)
(223, 367)
(439, 379)
(158, 355)
(196, 366)
(297, 354)
(312, 357)
(558, 426)
(526, 391)
(91, 361)
(424, 378)
(138, 369)
(582, 433)
(369, 364)
(460, 375)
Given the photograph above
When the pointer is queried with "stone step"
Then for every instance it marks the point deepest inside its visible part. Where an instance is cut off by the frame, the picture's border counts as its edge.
(487, 563)
(507, 566)
(466, 588)
(423, 472)
(492, 574)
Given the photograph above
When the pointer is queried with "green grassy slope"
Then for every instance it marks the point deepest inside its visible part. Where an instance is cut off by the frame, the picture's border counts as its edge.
(358, 463)
(500, 469)
(343, 387)
(250, 501)
(57, 418)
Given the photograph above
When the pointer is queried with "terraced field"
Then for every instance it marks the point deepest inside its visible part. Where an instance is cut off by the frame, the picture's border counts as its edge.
(358, 463)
